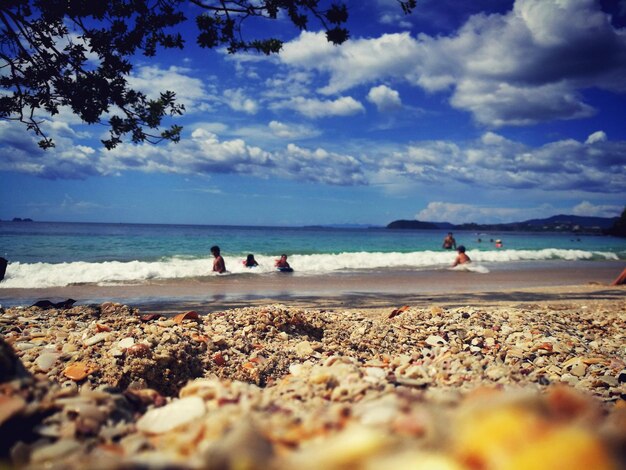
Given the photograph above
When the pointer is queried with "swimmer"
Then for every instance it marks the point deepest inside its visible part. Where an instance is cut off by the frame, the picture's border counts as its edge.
(461, 258)
(449, 242)
(282, 264)
(218, 263)
(250, 262)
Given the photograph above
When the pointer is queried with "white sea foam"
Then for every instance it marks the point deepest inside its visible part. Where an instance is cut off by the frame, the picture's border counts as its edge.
(33, 275)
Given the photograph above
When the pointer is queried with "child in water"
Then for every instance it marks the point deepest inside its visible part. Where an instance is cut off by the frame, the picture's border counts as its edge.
(250, 262)
(282, 264)
(461, 258)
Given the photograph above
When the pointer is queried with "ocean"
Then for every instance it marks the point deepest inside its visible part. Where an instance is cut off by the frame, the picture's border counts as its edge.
(43, 254)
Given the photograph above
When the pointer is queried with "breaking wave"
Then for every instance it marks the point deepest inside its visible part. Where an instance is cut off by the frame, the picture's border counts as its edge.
(36, 275)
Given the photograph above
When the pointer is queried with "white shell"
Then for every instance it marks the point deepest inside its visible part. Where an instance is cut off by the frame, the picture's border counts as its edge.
(434, 340)
(171, 416)
(126, 342)
(46, 360)
(303, 349)
(96, 338)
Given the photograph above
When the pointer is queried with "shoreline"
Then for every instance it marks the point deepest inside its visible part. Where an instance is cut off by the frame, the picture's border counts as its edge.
(515, 283)
(384, 370)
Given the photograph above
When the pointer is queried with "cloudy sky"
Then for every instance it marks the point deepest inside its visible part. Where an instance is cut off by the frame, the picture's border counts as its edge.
(485, 111)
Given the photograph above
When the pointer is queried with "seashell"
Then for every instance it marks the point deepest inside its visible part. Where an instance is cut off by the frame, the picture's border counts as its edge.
(594, 360)
(46, 360)
(495, 372)
(572, 362)
(101, 328)
(434, 340)
(297, 370)
(177, 413)
(219, 359)
(69, 348)
(398, 311)
(208, 389)
(149, 317)
(609, 380)
(191, 315)
(578, 370)
(200, 338)
(97, 338)
(219, 340)
(116, 352)
(436, 310)
(126, 343)
(303, 349)
(77, 371)
(139, 349)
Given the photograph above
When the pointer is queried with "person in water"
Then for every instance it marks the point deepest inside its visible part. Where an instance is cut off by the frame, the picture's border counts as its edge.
(218, 263)
(449, 242)
(461, 258)
(250, 262)
(282, 263)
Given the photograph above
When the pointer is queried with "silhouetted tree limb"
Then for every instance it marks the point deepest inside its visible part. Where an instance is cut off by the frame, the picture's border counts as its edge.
(76, 54)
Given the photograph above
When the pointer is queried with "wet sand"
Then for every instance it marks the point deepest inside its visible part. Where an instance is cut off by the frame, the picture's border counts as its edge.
(554, 281)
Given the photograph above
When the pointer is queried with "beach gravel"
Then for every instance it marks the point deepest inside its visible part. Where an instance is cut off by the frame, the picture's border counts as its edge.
(274, 386)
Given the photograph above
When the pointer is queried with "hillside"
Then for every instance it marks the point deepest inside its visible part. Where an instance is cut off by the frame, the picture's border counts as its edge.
(556, 223)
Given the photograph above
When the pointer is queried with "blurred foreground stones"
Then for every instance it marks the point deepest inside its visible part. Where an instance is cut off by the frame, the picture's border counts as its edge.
(109, 386)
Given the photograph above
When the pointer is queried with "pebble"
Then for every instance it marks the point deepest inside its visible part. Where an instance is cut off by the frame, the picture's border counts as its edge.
(281, 387)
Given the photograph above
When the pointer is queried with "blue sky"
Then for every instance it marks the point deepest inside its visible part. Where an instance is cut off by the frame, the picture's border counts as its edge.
(491, 112)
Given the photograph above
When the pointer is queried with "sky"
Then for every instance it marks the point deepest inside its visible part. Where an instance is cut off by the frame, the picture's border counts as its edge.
(485, 111)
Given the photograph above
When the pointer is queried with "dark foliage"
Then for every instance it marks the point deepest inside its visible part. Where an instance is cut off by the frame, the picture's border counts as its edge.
(619, 227)
(77, 54)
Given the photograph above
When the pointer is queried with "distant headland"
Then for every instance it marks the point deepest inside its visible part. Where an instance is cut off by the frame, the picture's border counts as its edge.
(556, 223)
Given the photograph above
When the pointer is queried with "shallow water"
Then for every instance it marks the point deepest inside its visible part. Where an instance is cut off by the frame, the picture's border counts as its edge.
(56, 254)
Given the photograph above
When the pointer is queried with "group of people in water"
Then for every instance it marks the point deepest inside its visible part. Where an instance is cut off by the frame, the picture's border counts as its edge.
(282, 265)
(219, 266)
(449, 243)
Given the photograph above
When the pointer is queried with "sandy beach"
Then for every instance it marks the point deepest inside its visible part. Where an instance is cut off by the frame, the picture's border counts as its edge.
(442, 369)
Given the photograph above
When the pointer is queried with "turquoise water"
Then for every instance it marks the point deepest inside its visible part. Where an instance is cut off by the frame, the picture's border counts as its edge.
(48, 254)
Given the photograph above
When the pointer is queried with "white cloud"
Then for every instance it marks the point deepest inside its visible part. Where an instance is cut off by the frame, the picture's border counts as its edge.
(438, 211)
(598, 136)
(314, 108)
(586, 208)
(491, 161)
(459, 213)
(238, 101)
(205, 153)
(385, 98)
(284, 130)
(523, 67)
(153, 80)
(496, 162)
(356, 62)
